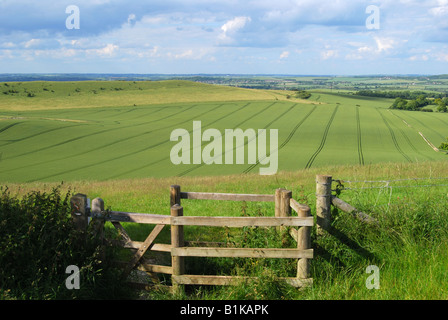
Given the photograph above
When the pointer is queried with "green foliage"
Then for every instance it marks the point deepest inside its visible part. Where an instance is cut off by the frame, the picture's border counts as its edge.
(402, 94)
(415, 102)
(38, 242)
(441, 104)
(444, 145)
(441, 108)
(413, 105)
(302, 94)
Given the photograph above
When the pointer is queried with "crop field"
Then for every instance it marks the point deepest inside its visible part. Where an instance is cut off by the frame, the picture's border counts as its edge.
(117, 130)
(112, 139)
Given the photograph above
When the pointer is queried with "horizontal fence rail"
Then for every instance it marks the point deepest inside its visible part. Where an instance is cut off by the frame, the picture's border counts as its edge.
(389, 184)
(233, 280)
(238, 222)
(227, 196)
(242, 252)
(144, 218)
(324, 201)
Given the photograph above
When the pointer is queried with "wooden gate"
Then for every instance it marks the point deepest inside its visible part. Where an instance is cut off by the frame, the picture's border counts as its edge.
(179, 248)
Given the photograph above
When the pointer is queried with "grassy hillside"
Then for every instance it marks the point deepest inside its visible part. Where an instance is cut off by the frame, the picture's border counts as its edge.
(43, 95)
(409, 245)
(114, 130)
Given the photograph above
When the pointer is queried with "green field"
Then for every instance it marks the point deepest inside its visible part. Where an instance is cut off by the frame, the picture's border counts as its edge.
(102, 130)
(111, 139)
(409, 245)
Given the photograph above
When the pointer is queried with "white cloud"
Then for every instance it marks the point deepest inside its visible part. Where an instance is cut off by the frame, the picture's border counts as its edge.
(365, 49)
(41, 44)
(327, 54)
(422, 57)
(234, 33)
(6, 54)
(131, 18)
(384, 44)
(183, 55)
(156, 20)
(193, 54)
(235, 24)
(8, 45)
(231, 27)
(441, 56)
(377, 47)
(32, 43)
(284, 55)
(441, 10)
(108, 50)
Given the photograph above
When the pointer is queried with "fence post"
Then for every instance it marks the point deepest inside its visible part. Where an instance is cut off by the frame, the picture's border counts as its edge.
(98, 223)
(285, 207)
(303, 243)
(278, 199)
(78, 204)
(174, 195)
(177, 240)
(323, 203)
(277, 204)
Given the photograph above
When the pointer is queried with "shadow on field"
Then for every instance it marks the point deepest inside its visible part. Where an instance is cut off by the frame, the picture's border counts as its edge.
(339, 247)
(344, 239)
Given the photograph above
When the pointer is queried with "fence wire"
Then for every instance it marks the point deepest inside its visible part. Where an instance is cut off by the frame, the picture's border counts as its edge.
(387, 183)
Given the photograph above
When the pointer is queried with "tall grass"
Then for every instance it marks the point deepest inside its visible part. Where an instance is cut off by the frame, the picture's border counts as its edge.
(409, 245)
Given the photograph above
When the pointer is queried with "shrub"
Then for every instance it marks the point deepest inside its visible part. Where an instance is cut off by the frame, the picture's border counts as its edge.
(444, 145)
(303, 94)
(38, 242)
(442, 108)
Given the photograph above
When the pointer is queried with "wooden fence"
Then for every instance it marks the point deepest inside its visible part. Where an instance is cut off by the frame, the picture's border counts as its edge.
(324, 201)
(180, 248)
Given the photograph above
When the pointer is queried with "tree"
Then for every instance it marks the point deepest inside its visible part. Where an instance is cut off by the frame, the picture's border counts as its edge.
(412, 105)
(421, 101)
(303, 94)
(441, 105)
(444, 145)
(445, 101)
(399, 103)
(442, 108)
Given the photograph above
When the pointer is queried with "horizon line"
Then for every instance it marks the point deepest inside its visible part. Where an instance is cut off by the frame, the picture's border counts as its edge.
(227, 74)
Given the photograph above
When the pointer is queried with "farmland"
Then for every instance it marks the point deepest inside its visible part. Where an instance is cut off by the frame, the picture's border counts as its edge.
(111, 139)
(102, 130)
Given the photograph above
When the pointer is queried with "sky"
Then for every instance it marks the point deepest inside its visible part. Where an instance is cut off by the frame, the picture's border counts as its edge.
(297, 37)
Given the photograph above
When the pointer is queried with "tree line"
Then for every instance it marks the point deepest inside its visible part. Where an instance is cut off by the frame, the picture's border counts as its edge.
(404, 94)
(418, 103)
(411, 100)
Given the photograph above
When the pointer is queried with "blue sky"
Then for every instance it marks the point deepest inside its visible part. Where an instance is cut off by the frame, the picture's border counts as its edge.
(226, 37)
